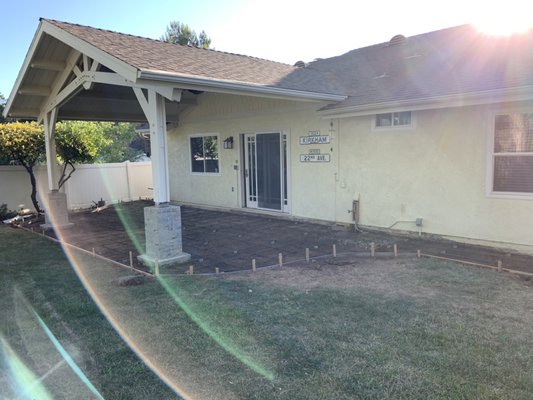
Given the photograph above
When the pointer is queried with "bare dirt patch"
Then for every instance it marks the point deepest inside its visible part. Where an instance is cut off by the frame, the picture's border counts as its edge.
(341, 273)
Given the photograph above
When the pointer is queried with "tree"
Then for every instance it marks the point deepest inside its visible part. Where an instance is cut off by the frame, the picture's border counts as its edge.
(2, 105)
(180, 33)
(78, 142)
(120, 147)
(24, 142)
(4, 159)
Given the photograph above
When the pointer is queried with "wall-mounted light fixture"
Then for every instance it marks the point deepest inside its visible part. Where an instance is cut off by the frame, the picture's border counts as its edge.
(228, 143)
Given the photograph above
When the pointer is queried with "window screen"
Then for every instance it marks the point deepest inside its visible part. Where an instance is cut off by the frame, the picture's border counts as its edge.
(513, 153)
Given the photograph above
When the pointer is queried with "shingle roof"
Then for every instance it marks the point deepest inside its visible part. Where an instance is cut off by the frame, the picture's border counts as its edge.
(446, 62)
(155, 55)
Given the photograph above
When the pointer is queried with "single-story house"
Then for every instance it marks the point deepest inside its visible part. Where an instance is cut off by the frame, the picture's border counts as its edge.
(431, 133)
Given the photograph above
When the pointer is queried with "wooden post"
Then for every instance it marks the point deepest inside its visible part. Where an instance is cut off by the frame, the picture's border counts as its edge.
(217, 270)
(280, 259)
(307, 254)
(499, 266)
(395, 249)
(253, 265)
(131, 260)
(191, 270)
(156, 268)
(418, 254)
(334, 250)
(94, 252)
(372, 249)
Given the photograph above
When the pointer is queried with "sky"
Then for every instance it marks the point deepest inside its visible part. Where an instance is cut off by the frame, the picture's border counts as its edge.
(280, 30)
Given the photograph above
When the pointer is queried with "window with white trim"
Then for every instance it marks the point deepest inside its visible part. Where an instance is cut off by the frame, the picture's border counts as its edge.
(513, 154)
(204, 154)
(392, 119)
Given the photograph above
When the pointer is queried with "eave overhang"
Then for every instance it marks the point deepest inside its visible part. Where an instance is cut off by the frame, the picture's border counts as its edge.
(232, 87)
(522, 93)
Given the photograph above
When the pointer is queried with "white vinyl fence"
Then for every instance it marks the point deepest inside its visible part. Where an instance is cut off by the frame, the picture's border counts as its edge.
(90, 182)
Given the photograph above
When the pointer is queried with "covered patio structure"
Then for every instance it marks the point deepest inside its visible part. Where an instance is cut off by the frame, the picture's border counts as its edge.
(81, 73)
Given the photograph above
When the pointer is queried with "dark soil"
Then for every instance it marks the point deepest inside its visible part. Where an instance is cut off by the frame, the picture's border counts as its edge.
(230, 240)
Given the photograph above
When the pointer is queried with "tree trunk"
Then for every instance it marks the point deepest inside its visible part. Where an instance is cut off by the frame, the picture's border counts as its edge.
(33, 189)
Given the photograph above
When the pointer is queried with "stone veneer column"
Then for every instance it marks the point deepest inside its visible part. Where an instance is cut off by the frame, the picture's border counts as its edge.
(162, 227)
(56, 211)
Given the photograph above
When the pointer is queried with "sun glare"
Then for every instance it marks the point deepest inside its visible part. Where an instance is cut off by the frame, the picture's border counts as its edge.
(503, 23)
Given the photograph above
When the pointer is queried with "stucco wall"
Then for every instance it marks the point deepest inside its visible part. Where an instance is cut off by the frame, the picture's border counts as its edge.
(231, 116)
(436, 171)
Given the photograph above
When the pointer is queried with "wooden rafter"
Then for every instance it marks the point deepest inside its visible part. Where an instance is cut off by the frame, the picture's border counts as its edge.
(48, 65)
(59, 82)
(64, 89)
(42, 91)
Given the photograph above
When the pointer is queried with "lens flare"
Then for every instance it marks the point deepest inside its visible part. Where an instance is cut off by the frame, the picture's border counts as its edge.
(66, 356)
(234, 351)
(24, 383)
(81, 266)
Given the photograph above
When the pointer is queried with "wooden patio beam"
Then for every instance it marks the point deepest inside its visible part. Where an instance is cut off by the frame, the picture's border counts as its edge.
(48, 65)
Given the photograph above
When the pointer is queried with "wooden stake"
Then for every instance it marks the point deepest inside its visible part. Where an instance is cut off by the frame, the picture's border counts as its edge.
(217, 270)
(156, 268)
(334, 250)
(395, 249)
(499, 266)
(253, 265)
(418, 253)
(131, 260)
(307, 254)
(372, 249)
(280, 259)
(191, 270)
(94, 252)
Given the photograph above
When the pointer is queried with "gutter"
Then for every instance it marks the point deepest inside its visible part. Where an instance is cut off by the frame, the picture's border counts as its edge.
(195, 83)
(522, 93)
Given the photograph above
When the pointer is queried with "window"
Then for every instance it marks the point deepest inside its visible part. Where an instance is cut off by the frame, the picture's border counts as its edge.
(204, 153)
(393, 119)
(513, 154)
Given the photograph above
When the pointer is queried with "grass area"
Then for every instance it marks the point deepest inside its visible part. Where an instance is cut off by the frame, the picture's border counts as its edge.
(411, 329)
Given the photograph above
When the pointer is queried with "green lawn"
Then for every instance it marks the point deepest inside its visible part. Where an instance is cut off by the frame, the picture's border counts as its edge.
(407, 329)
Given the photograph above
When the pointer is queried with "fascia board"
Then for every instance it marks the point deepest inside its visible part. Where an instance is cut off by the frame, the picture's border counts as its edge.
(219, 86)
(29, 55)
(523, 93)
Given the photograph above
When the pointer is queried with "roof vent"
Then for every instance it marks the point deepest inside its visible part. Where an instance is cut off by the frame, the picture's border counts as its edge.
(299, 64)
(397, 39)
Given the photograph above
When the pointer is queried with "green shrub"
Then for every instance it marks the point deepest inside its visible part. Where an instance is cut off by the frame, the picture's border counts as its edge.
(6, 213)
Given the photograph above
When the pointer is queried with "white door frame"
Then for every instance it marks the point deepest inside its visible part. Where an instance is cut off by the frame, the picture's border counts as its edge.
(250, 192)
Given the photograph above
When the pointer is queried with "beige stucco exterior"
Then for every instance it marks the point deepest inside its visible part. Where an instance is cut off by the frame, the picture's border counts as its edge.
(437, 170)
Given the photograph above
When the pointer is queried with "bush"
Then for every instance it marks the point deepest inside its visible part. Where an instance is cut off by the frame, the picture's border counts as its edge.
(6, 213)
